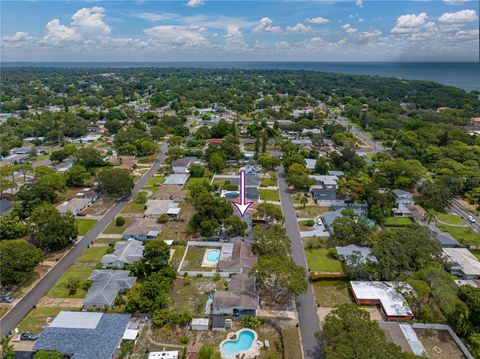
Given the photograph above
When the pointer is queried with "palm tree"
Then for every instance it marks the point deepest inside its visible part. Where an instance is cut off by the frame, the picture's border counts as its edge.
(429, 216)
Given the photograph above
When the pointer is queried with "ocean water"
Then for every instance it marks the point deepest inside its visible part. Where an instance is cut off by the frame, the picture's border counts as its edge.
(462, 75)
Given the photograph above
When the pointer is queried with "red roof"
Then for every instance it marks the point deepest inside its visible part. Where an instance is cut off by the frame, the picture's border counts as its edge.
(215, 140)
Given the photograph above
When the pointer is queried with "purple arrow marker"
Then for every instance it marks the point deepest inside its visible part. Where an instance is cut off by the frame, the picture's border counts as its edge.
(243, 205)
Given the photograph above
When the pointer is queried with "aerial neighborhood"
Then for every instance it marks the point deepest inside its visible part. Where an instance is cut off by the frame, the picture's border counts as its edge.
(208, 213)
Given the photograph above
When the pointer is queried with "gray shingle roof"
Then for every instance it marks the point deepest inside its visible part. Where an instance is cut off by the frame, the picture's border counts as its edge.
(106, 285)
(126, 252)
(100, 342)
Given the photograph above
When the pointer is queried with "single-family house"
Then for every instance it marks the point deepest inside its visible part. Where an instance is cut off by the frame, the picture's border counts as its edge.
(143, 229)
(463, 263)
(446, 239)
(302, 142)
(401, 211)
(240, 299)
(84, 335)
(181, 165)
(124, 252)
(326, 181)
(124, 162)
(74, 206)
(385, 294)
(338, 174)
(178, 179)
(363, 254)
(88, 193)
(106, 285)
(241, 259)
(403, 197)
(325, 197)
(157, 207)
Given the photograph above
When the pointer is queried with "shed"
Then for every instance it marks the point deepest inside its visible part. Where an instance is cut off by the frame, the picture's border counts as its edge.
(218, 323)
(199, 324)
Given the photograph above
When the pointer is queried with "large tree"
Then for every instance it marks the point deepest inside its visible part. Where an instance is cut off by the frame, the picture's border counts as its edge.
(18, 260)
(271, 240)
(52, 230)
(115, 181)
(349, 333)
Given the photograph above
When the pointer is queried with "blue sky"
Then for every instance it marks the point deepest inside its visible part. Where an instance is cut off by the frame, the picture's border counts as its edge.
(203, 30)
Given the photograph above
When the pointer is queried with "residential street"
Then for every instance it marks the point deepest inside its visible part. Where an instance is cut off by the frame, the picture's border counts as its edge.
(361, 136)
(25, 304)
(464, 212)
(306, 307)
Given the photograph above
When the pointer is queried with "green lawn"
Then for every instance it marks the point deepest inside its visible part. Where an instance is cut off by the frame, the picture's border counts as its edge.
(465, 235)
(114, 229)
(93, 254)
(318, 260)
(107, 241)
(84, 225)
(303, 226)
(80, 273)
(269, 181)
(269, 195)
(38, 318)
(133, 207)
(450, 218)
(397, 221)
(311, 211)
(178, 254)
(153, 183)
(291, 342)
(194, 258)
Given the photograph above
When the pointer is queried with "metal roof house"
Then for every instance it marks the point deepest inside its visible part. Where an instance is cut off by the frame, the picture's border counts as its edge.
(385, 294)
(125, 252)
(106, 286)
(464, 263)
(84, 335)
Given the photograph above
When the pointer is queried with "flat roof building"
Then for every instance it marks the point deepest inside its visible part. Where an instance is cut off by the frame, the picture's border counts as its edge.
(464, 263)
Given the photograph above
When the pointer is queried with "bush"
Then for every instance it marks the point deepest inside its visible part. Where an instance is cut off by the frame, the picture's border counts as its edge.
(163, 218)
(185, 339)
(314, 243)
(119, 221)
(332, 252)
(140, 198)
(310, 223)
(251, 322)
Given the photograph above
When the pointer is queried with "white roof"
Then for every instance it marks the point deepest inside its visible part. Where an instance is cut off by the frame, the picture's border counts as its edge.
(310, 163)
(392, 301)
(200, 321)
(159, 206)
(130, 334)
(171, 354)
(76, 320)
(326, 179)
(169, 242)
(174, 210)
(461, 282)
(177, 179)
(415, 344)
(464, 259)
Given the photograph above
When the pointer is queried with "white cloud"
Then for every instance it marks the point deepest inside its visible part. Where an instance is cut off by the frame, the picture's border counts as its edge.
(317, 20)
(188, 36)
(234, 38)
(348, 28)
(89, 21)
(299, 28)
(409, 23)
(359, 3)
(266, 24)
(18, 37)
(455, 2)
(57, 32)
(151, 16)
(459, 17)
(195, 3)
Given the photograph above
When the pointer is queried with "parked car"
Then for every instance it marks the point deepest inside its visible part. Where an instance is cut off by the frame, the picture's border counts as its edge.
(81, 214)
(6, 299)
(471, 219)
(28, 336)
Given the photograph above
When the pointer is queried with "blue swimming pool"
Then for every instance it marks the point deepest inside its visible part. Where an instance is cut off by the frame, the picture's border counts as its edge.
(243, 342)
(213, 255)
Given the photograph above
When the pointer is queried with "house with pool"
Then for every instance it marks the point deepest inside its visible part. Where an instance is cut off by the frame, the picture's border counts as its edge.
(240, 299)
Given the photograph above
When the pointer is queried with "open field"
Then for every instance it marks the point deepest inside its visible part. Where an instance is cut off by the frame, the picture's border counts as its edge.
(331, 293)
(84, 225)
(311, 211)
(79, 273)
(318, 260)
(133, 207)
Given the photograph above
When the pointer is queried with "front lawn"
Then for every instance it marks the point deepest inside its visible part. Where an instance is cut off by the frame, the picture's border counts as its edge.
(269, 195)
(114, 229)
(465, 235)
(93, 254)
(84, 225)
(331, 293)
(74, 273)
(133, 207)
(269, 182)
(397, 221)
(318, 260)
(38, 319)
(450, 218)
(106, 241)
(306, 225)
(194, 258)
(311, 211)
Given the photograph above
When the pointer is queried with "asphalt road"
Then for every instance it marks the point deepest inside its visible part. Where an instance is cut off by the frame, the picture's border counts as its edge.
(25, 304)
(307, 310)
(464, 212)
(360, 135)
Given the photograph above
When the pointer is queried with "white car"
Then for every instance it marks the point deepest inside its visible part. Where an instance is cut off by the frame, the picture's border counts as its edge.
(471, 219)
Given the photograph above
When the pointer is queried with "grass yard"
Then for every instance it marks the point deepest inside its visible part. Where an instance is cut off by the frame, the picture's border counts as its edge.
(450, 218)
(84, 225)
(153, 183)
(268, 181)
(303, 226)
(114, 229)
(465, 235)
(297, 198)
(133, 207)
(397, 221)
(178, 254)
(311, 211)
(80, 273)
(291, 342)
(194, 258)
(192, 294)
(38, 319)
(179, 230)
(93, 254)
(106, 241)
(318, 260)
(331, 293)
(3, 311)
(269, 195)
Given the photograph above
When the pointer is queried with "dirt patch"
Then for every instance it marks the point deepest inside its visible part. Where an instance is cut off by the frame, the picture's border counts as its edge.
(60, 302)
(439, 344)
